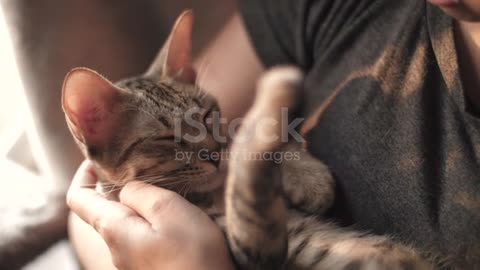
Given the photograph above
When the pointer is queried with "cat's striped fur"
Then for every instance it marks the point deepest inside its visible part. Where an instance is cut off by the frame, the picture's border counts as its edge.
(263, 232)
(273, 212)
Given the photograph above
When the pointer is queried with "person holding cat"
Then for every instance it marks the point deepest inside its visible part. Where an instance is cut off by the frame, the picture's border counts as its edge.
(395, 84)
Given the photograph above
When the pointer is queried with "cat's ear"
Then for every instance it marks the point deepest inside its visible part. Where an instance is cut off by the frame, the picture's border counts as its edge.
(175, 58)
(88, 101)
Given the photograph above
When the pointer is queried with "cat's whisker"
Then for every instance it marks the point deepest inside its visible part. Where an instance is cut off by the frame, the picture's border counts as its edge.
(165, 174)
(149, 177)
(122, 177)
(154, 177)
(116, 187)
(171, 184)
(119, 185)
(179, 191)
(174, 173)
(112, 189)
(183, 190)
(160, 182)
(187, 190)
(168, 184)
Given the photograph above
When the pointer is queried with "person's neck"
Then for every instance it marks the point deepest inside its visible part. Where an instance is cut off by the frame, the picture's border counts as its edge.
(468, 50)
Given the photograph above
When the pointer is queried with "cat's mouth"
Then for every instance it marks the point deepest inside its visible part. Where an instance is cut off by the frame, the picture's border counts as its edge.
(207, 178)
(215, 164)
(200, 176)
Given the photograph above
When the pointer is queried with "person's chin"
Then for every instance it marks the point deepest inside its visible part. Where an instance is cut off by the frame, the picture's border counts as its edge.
(460, 10)
(463, 14)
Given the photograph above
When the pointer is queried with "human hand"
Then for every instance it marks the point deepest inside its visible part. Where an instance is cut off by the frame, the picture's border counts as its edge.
(150, 228)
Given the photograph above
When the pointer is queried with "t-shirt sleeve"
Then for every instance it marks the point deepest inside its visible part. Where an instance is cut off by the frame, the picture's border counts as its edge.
(297, 31)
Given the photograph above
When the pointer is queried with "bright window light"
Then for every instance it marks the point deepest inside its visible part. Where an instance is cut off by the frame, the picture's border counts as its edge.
(19, 185)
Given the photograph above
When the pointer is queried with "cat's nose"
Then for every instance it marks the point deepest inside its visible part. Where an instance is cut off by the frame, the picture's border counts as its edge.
(213, 157)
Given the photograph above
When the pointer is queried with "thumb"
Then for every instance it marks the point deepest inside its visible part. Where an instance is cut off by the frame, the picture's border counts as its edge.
(155, 202)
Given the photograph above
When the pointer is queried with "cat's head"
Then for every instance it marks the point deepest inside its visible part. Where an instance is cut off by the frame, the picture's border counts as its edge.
(158, 127)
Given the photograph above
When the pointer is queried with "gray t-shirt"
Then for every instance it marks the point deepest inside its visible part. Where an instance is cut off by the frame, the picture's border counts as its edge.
(398, 133)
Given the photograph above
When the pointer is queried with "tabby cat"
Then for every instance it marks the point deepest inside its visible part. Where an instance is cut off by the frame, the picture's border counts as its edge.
(270, 211)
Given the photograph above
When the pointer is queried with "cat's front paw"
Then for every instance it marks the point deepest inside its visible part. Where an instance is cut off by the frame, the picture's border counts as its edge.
(307, 182)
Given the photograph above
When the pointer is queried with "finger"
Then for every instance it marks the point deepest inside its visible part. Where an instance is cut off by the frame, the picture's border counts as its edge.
(155, 202)
(106, 217)
(85, 176)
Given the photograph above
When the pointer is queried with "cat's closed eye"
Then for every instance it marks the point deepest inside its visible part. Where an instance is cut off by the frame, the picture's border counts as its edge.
(170, 139)
(166, 138)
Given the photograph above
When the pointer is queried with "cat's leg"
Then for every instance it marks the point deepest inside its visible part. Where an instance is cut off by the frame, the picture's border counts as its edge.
(307, 182)
(255, 208)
